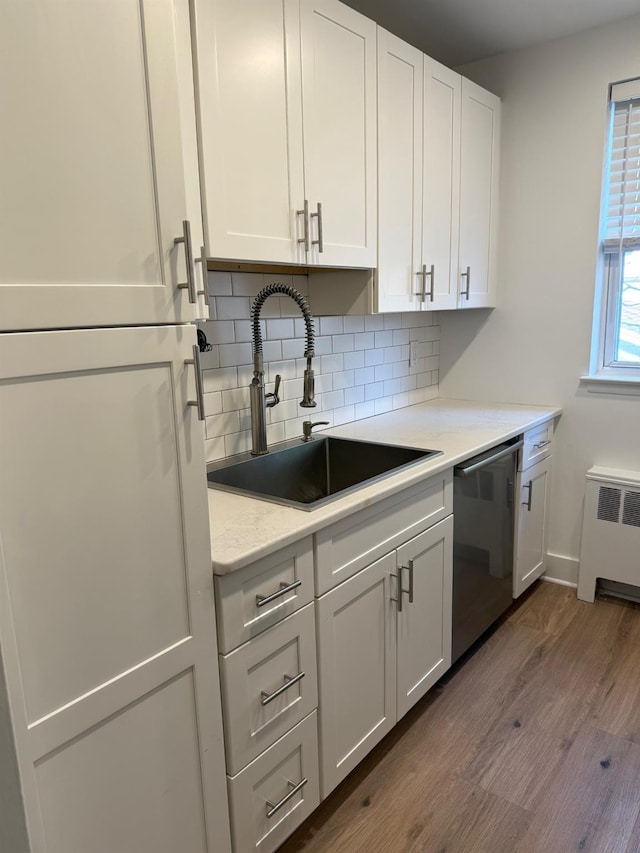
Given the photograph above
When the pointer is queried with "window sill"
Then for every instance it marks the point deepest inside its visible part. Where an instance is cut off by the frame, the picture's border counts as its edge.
(606, 384)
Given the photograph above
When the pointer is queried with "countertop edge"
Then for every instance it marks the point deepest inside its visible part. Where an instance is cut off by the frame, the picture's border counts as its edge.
(314, 520)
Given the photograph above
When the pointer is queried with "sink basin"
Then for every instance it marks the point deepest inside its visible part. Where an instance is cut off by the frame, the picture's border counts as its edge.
(308, 475)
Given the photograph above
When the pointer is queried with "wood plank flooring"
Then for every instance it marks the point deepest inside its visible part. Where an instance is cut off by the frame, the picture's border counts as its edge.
(530, 744)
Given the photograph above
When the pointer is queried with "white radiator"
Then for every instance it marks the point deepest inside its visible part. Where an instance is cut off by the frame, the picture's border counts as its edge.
(610, 546)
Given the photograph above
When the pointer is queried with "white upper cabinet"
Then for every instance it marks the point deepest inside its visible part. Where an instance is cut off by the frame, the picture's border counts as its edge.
(399, 174)
(479, 187)
(277, 188)
(438, 143)
(339, 107)
(250, 102)
(441, 185)
(98, 164)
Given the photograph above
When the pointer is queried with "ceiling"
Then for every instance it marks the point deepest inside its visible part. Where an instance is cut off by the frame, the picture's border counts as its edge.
(459, 31)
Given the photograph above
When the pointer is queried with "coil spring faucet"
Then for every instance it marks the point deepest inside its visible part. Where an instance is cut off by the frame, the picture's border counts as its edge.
(259, 400)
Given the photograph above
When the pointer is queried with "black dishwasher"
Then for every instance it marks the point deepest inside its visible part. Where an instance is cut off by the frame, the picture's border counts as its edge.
(483, 542)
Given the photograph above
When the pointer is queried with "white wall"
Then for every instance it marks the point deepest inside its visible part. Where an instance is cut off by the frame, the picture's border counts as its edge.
(535, 346)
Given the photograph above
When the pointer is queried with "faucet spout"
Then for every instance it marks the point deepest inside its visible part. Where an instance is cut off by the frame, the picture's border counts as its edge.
(257, 396)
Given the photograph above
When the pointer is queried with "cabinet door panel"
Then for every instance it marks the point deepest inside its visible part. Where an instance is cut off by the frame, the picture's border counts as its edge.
(399, 173)
(531, 543)
(339, 97)
(251, 128)
(424, 626)
(95, 168)
(356, 666)
(479, 170)
(106, 592)
(441, 193)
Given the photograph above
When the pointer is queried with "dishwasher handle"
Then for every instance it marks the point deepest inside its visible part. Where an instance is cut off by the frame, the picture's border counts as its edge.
(482, 460)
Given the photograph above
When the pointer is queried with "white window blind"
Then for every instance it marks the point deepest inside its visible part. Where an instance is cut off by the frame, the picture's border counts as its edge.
(622, 224)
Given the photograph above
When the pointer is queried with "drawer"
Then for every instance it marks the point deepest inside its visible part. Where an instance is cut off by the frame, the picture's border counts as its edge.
(537, 445)
(284, 579)
(264, 810)
(347, 546)
(259, 670)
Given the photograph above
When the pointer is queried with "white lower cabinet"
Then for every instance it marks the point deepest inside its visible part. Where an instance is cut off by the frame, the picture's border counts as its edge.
(531, 534)
(534, 480)
(277, 791)
(268, 685)
(384, 638)
(109, 704)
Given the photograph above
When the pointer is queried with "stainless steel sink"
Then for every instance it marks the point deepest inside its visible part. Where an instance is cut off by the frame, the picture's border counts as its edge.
(308, 475)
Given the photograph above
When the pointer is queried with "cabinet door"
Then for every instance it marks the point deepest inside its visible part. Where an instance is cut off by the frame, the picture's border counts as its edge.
(531, 539)
(399, 174)
(98, 163)
(356, 668)
(107, 626)
(425, 565)
(339, 99)
(250, 111)
(479, 184)
(441, 183)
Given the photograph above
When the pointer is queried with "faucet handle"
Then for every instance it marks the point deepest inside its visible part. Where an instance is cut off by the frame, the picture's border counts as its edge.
(307, 426)
(273, 394)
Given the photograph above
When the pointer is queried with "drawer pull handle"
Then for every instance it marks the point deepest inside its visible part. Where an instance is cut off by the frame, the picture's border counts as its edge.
(540, 444)
(289, 681)
(271, 809)
(263, 600)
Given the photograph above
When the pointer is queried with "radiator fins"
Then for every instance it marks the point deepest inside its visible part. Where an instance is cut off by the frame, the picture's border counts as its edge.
(610, 501)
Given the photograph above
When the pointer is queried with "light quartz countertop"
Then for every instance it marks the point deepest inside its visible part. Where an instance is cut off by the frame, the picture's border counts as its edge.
(244, 529)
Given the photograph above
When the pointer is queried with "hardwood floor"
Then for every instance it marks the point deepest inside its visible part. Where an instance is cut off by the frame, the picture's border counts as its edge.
(530, 744)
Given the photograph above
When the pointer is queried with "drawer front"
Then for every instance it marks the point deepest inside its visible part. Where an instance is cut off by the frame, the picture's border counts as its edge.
(342, 549)
(255, 793)
(537, 445)
(259, 707)
(285, 579)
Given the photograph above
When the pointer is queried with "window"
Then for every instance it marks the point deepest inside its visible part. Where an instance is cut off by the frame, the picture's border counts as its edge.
(617, 353)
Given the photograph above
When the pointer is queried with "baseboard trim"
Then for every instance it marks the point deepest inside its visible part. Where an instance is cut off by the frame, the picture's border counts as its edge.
(562, 570)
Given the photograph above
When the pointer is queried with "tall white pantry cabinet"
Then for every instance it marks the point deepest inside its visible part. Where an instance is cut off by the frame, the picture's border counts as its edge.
(110, 720)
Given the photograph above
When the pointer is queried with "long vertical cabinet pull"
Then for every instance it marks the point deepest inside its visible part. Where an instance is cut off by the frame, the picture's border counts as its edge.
(199, 401)
(422, 293)
(320, 241)
(466, 275)
(529, 487)
(432, 279)
(205, 291)
(305, 225)
(190, 283)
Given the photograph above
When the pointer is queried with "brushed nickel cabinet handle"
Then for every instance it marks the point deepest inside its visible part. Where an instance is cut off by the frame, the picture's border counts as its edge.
(540, 444)
(305, 224)
(289, 681)
(199, 401)
(271, 809)
(205, 284)
(466, 275)
(320, 241)
(263, 600)
(422, 292)
(190, 283)
(529, 487)
(398, 599)
(409, 568)
(432, 279)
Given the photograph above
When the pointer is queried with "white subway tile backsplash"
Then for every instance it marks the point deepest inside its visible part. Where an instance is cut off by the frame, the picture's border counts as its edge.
(331, 325)
(279, 329)
(353, 360)
(232, 307)
(343, 343)
(220, 284)
(361, 363)
(235, 354)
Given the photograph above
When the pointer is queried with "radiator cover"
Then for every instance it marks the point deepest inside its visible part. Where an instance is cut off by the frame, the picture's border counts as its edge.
(610, 546)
